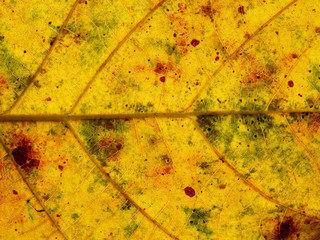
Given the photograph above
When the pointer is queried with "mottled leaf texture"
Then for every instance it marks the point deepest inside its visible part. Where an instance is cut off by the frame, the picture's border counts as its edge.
(160, 119)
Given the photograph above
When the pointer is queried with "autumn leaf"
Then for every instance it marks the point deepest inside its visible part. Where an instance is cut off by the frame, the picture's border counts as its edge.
(160, 119)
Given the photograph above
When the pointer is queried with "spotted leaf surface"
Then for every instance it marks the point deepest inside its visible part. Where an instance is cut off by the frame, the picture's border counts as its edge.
(159, 119)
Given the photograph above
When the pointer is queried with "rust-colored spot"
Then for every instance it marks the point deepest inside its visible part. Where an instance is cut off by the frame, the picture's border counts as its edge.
(290, 227)
(217, 58)
(14, 192)
(223, 186)
(119, 146)
(163, 79)
(241, 9)
(287, 228)
(163, 68)
(60, 167)
(160, 68)
(3, 83)
(23, 155)
(189, 191)
(208, 11)
(290, 83)
(294, 55)
(195, 42)
(317, 30)
(48, 99)
(181, 42)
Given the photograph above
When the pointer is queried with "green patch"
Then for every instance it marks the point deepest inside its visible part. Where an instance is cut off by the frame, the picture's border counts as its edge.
(17, 75)
(198, 219)
(247, 211)
(129, 229)
(203, 105)
(139, 107)
(75, 216)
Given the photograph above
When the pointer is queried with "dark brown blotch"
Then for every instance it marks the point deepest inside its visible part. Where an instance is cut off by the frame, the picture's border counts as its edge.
(195, 42)
(23, 156)
(241, 9)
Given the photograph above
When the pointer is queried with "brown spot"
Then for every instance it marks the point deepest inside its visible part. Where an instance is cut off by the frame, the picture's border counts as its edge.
(223, 186)
(195, 42)
(119, 146)
(163, 68)
(163, 79)
(181, 42)
(14, 192)
(241, 9)
(48, 99)
(317, 30)
(3, 83)
(23, 156)
(160, 68)
(293, 226)
(294, 55)
(217, 58)
(287, 228)
(208, 11)
(60, 167)
(247, 35)
(189, 191)
(290, 83)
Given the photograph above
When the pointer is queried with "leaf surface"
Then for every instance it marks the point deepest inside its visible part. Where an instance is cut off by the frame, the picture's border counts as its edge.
(159, 119)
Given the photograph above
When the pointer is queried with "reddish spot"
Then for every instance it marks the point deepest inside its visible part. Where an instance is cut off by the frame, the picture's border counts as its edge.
(241, 9)
(14, 192)
(217, 58)
(48, 99)
(163, 79)
(119, 146)
(189, 191)
(287, 228)
(247, 35)
(24, 155)
(181, 42)
(299, 95)
(317, 29)
(208, 11)
(163, 68)
(160, 68)
(294, 55)
(290, 83)
(60, 167)
(277, 32)
(195, 42)
(166, 170)
(3, 83)
(223, 186)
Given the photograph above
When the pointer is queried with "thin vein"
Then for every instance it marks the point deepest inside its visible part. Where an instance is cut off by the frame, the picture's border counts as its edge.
(53, 44)
(236, 52)
(117, 187)
(246, 181)
(30, 188)
(114, 51)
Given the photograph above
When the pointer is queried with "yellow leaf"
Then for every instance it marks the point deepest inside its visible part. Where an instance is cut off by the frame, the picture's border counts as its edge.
(159, 119)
